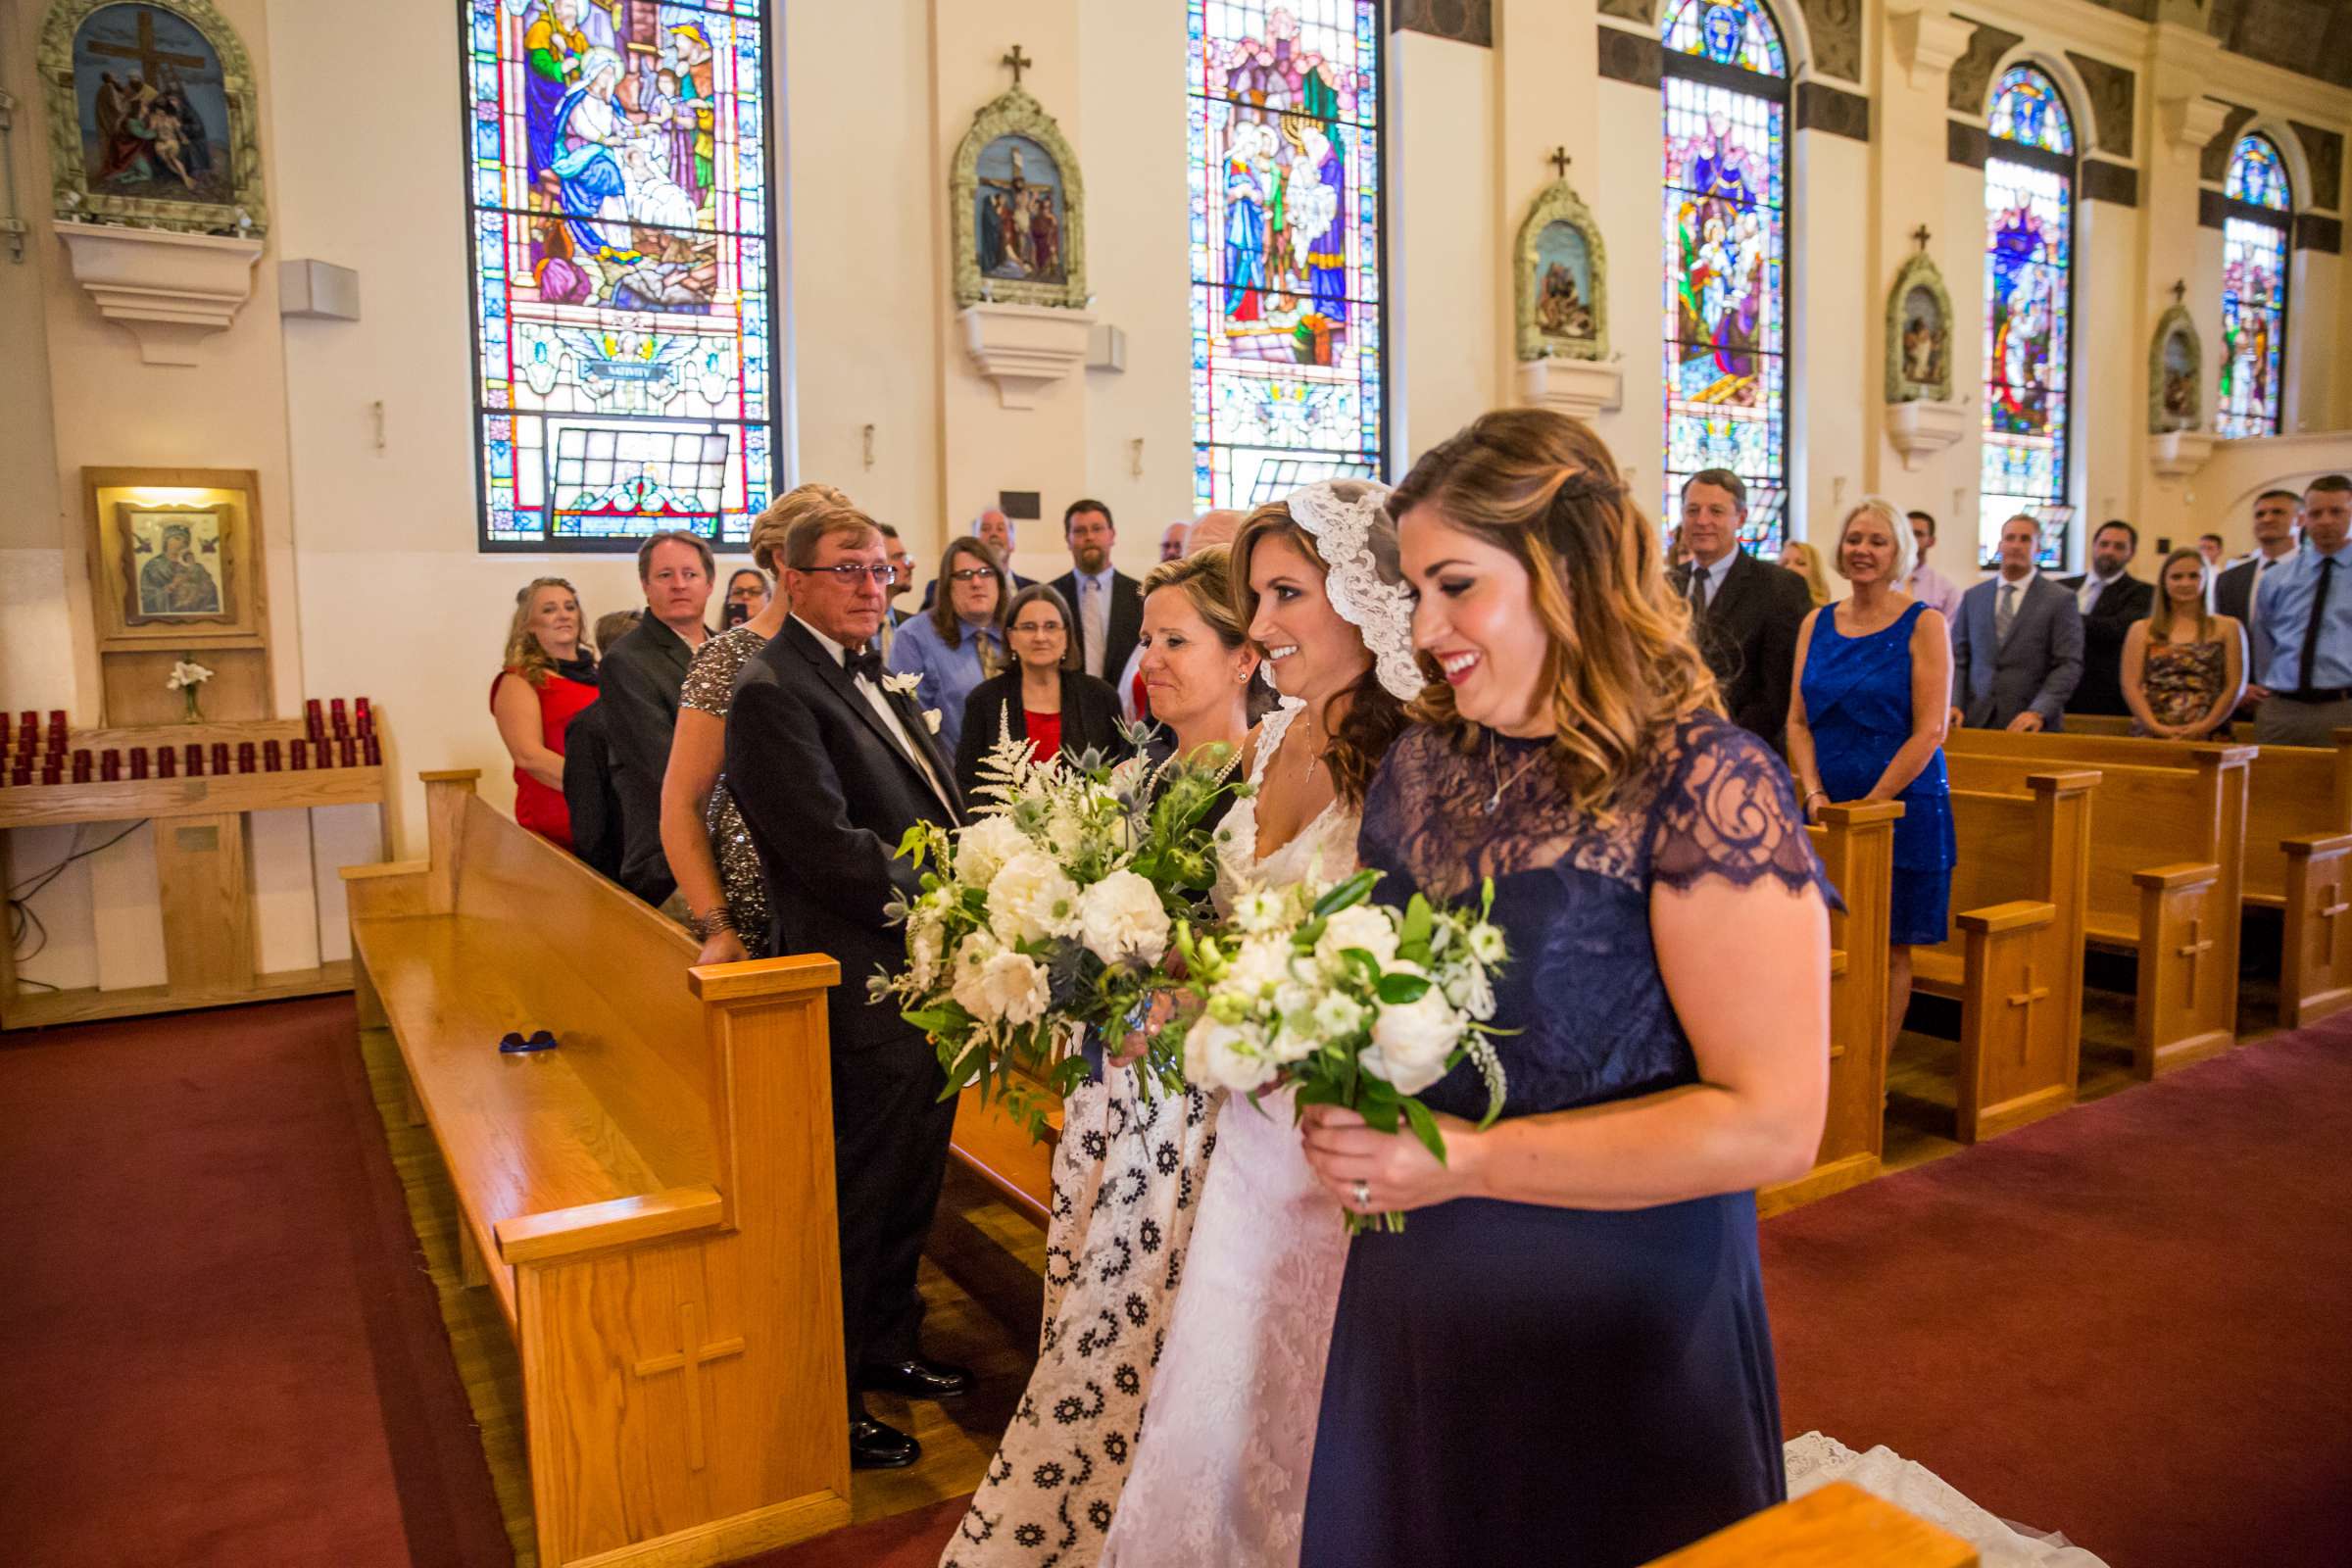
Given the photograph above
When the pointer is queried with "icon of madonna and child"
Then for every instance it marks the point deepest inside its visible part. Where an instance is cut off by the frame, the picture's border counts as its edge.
(620, 120)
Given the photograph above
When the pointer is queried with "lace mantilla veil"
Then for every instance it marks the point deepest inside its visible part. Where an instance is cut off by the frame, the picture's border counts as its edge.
(1350, 522)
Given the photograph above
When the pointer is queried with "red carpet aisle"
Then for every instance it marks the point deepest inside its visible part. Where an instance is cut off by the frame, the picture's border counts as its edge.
(216, 1342)
(2126, 1323)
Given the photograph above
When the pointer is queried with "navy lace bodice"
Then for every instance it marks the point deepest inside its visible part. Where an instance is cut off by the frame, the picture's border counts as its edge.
(1582, 986)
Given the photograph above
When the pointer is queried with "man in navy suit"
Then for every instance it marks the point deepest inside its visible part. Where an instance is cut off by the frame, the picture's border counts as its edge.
(2016, 646)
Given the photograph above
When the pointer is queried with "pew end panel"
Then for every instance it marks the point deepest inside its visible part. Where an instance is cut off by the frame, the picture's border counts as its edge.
(2186, 1009)
(1836, 1526)
(1856, 845)
(2316, 979)
(2020, 1058)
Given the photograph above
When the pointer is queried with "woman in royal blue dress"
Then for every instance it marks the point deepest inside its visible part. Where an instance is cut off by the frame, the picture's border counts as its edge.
(1563, 1358)
(1866, 723)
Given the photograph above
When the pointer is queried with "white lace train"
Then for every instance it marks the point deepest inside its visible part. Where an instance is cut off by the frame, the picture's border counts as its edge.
(1815, 1461)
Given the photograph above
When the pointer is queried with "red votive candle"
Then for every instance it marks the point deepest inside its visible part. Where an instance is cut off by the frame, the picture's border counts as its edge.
(57, 722)
(245, 755)
(82, 765)
(167, 763)
(110, 767)
(340, 718)
(194, 758)
(371, 750)
(314, 718)
(298, 756)
(273, 756)
(220, 758)
(363, 717)
(138, 761)
(51, 770)
(347, 752)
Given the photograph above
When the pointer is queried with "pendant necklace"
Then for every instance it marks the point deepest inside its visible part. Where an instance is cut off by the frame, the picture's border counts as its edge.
(1493, 802)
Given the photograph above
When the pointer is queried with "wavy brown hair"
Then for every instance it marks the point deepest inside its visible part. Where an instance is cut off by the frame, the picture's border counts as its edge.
(524, 656)
(2161, 611)
(1375, 716)
(1622, 668)
(944, 618)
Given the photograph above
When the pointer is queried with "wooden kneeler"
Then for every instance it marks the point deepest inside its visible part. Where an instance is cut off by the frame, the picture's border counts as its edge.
(652, 1201)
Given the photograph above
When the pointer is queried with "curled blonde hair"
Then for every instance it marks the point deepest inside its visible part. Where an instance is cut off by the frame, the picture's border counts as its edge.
(1808, 566)
(1898, 529)
(770, 528)
(524, 656)
(1621, 667)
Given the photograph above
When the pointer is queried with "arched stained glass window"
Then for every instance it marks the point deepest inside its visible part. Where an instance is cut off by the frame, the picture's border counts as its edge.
(623, 269)
(1726, 93)
(2257, 208)
(2029, 293)
(1289, 356)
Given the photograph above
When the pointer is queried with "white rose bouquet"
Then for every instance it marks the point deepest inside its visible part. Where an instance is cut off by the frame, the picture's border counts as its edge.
(1051, 912)
(1351, 1002)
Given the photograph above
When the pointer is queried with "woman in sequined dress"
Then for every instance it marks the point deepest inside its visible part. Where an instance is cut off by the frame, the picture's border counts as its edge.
(2184, 666)
(709, 848)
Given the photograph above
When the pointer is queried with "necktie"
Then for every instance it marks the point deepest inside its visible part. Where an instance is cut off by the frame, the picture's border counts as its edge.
(864, 661)
(2006, 615)
(2311, 628)
(1093, 632)
(1699, 578)
(2090, 595)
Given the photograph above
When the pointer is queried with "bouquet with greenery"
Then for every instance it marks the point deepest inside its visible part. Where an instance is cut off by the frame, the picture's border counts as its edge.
(1050, 913)
(1350, 1003)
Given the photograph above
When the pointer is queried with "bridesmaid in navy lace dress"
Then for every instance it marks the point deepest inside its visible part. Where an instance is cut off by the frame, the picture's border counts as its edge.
(1564, 1356)
(1866, 722)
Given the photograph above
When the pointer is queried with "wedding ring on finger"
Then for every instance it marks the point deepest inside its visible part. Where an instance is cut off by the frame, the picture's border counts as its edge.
(1363, 1194)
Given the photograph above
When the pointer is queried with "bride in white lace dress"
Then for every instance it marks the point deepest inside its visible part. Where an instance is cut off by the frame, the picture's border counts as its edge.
(1220, 1468)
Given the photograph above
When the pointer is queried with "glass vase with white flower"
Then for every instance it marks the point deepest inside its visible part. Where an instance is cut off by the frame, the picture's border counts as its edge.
(185, 678)
(1351, 1002)
(1049, 913)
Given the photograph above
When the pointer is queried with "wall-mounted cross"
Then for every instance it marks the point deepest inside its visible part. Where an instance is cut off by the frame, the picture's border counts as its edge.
(1018, 62)
(2026, 999)
(1919, 238)
(690, 1361)
(2180, 290)
(1559, 161)
(2196, 947)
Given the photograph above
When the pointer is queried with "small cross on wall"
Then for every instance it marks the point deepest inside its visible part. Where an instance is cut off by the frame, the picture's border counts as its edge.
(1559, 161)
(1018, 62)
(1919, 238)
(2180, 290)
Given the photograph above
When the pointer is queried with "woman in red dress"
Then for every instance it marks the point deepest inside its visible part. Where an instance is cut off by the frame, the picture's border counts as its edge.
(548, 678)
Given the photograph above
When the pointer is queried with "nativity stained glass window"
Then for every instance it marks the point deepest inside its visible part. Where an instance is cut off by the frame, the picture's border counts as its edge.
(2029, 290)
(1288, 356)
(623, 269)
(1726, 92)
(2255, 212)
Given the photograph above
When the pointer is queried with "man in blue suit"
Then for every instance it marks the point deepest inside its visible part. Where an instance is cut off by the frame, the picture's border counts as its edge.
(2016, 643)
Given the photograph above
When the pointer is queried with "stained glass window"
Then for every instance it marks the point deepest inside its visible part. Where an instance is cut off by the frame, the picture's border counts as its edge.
(623, 269)
(1289, 362)
(1726, 93)
(2254, 219)
(2028, 257)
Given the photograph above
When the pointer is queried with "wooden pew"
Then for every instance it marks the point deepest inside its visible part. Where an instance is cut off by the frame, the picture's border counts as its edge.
(652, 1201)
(2298, 857)
(2014, 960)
(1856, 845)
(1836, 1526)
(1001, 1151)
(2167, 871)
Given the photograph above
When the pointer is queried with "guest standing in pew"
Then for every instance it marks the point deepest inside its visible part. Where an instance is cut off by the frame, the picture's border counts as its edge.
(2184, 665)
(642, 675)
(748, 593)
(1564, 1356)
(548, 679)
(1867, 723)
(588, 792)
(959, 642)
(1743, 612)
(2305, 613)
(2275, 534)
(703, 836)
(829, 768)
(2111, 601)
(901, 582)
(995, 530)
(1925, 584)
(1806, 560)
(1044, 699)
(1105, 607)
(2017, 649)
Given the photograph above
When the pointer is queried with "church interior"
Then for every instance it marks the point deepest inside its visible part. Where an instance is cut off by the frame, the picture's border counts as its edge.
(305, 376)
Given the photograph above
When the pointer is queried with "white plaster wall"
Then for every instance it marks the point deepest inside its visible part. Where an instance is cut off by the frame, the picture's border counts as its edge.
(1833, 257)
(1448, 262)
(1632, 147)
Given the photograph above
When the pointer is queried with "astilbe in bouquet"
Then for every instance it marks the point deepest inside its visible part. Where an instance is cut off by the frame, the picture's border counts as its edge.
(1051, 912)
(1350, 1003)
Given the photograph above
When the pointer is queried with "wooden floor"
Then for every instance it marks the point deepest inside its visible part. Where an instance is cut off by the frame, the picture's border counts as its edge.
(983, 1271)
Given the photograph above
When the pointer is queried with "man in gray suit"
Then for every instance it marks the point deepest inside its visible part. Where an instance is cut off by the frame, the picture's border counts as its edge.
(2016, 643)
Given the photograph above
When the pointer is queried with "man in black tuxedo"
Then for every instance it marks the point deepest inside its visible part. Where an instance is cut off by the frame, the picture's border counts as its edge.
(829, 768)
(639, 692)
(1744, 612)
(1106, 605)
(2109, 599)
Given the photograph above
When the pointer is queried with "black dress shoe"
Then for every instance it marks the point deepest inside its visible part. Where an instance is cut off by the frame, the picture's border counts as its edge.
(875, 1446)
(916, 1378)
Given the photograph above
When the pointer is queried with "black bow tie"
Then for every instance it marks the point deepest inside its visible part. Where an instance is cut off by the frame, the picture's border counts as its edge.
(866, 660)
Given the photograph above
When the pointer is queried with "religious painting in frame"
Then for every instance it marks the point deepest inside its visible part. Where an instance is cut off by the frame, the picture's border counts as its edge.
(1019, 208)
(1919, 334)
(2176, 374)
(173, 558)
(1562, 280)
(152, 117)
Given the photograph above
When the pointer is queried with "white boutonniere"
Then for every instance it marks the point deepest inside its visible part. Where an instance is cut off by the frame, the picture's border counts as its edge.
(902, 685)
(931, 719)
